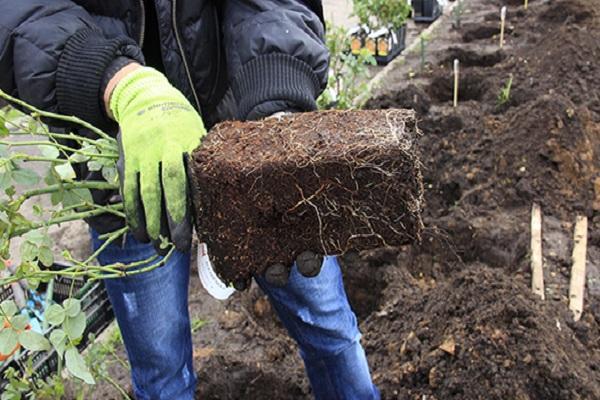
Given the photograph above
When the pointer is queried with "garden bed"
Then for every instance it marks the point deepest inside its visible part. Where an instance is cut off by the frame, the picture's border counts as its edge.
(454, 317)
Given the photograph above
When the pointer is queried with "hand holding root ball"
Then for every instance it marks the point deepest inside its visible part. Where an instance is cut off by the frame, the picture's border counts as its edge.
(308, 264)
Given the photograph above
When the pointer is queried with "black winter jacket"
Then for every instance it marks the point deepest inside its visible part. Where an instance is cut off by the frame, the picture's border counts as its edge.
(231, 58)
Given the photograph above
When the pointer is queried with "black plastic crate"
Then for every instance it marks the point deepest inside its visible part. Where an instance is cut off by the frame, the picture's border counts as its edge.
(394, 42)
(94, 303)
(426, 10)
(6, 292)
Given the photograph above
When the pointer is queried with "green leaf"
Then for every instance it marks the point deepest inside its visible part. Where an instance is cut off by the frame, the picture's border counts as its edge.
(29, 250)
(57, 197)
(76, 366)
(3, 129)
(45, 256)
(55, 314)
(51, 177)
(49, 151)
(10, 395)
(78, 158)
(8, 308)
(34, 341)
(37, 210)
(24, 176)
(74, 326)
(76, 196)
(4, 217)
(5, 179)
(19, 322)
(65, 171)
(37, 236)
(72, 307)
(8, 341)
(94, 165)
(58, 338)
(109, 174)
(10, 191)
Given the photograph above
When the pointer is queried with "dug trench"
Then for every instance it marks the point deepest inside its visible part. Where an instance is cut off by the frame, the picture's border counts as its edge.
(454, 316)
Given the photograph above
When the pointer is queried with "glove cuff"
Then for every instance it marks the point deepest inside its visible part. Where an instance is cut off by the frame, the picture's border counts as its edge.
(133, 84)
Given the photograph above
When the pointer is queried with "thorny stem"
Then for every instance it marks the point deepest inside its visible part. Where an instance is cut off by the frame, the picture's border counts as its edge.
(27, 157)
(46, 114)
(65, 136)
(66, 218)
(99, 185)
(141, 270)
(113, 236)
(117, 386)
(78, 269)
(95, 272)
(58, 146)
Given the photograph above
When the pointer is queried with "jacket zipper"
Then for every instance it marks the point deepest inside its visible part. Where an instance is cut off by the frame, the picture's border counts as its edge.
(218, 36)
(185, 64)
(142, 23)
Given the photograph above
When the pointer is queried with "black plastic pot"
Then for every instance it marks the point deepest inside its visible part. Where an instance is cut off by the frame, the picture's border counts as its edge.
(426, 10)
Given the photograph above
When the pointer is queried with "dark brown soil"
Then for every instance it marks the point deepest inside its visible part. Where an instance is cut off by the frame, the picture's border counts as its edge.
(329, 182)
(485, 164)
(480, 335)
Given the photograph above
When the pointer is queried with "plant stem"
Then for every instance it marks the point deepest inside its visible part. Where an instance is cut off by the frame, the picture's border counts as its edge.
(66, 218)
(27, 157)
(99, 185)
(142, 270)
(117, 386)
(65, 136)
(71, 119)
(113, 236)
(60, 146)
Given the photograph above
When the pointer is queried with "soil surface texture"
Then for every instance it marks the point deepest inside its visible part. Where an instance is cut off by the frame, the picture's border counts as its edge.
(328, 182)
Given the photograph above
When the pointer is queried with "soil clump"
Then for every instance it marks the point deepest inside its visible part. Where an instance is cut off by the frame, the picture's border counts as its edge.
(329, 182)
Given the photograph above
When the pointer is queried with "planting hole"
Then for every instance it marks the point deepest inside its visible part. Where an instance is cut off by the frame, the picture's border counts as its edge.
(365, 280)
(471, 87)
(469, 58)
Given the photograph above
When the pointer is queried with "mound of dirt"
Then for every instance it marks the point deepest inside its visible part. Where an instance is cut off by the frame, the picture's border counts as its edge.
(568, 11)
(481, 335)
(328, 182)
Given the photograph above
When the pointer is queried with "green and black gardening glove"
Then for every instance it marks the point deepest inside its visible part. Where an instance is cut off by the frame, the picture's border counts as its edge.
(159, 127)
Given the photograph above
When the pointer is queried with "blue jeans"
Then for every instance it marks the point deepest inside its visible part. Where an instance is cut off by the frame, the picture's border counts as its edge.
(152, 312)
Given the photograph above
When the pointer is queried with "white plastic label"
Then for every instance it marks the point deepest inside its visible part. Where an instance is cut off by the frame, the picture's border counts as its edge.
(209, 278)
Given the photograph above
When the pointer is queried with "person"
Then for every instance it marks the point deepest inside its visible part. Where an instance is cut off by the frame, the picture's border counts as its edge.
(156, 74)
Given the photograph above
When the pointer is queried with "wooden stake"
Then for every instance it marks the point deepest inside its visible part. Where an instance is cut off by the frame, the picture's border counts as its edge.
(502, 23)
(577, 286)
(537, 272)
(456, 76)
(526, 4)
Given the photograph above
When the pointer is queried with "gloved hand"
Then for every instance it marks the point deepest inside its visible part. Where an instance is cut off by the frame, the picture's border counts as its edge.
(158, 128)
(307, 262)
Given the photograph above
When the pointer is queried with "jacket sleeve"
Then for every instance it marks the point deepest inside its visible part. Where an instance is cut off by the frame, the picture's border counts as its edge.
(53, 56)
(276, 55)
